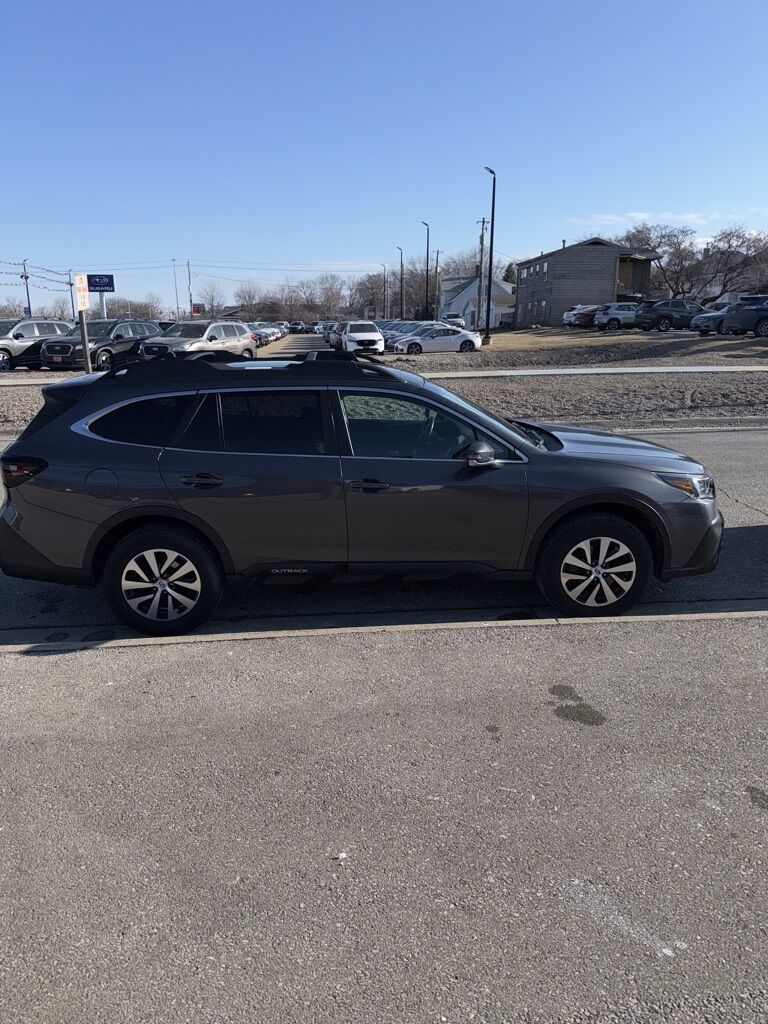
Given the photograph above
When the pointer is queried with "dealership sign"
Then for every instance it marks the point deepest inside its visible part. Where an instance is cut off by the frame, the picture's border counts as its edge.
(101, 282)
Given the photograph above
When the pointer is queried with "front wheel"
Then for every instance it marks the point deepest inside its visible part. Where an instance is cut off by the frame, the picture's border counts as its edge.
(5, 361)
(466, 346)
(162, 580)
(594, 565)
(613, 325)
(664, 324)
(104, 362)
(761, 329)
(703, 334)
(414, 349)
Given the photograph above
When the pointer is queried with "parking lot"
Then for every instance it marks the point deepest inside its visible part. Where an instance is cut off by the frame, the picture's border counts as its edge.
(400, 800)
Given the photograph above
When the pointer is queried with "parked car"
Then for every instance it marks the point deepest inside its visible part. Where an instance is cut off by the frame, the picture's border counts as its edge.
(750, 313)
(612, 316)
(570, 314)
(585, 316)
(260, 334)
(440, 339)
(711, 320)
(454, 320)
(271, 332)
(110, 343)
(316, 327)
(361, 335)
(203, 336)
(421, 478)
(665, 314)
(298, 327)
(21, 339)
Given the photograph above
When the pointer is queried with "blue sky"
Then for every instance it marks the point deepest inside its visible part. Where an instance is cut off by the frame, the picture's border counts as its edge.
(293, 138)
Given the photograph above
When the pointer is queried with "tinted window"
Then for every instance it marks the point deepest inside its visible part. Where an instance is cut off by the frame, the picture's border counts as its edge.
(25, 330)
(150, 422)
(362, 328)
(125, 329)
(190, 330)
(273, 422)
(228, 331)
(6, 325)
(382, 427)
(202, 434)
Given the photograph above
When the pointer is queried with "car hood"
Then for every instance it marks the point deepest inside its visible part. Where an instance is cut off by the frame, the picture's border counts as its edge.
(633, 451)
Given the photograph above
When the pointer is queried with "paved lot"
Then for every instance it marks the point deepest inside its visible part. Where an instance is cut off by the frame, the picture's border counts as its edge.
(499, 824)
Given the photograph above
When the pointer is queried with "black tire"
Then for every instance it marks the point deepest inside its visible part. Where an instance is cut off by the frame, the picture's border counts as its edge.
(613, 324)
(414, 349)
(703, 334)
(105, 362)
(761, 329)
(466, 346)
(247, 354)
(206, 576)
(6, 361)
(562, 541)
(663, 324)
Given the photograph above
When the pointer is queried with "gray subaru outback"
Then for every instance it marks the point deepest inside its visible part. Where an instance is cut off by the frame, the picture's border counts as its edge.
(162, 481)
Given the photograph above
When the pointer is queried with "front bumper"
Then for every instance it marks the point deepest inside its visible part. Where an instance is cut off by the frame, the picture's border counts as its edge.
(706, 556)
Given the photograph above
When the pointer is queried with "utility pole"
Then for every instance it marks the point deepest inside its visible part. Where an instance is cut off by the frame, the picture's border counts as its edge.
(176, 289)
(487, 336)
(482, 223)
(385, 290)
(426, 276)
(437, 281)
(189, 284)
(25, 278)
(71, 293)
(402, 306)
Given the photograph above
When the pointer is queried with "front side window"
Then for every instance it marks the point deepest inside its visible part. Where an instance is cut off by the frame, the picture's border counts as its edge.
(150, 422)
(26, 330)
(186, 330)
(125, 330)
(385, 427)
(273, 422)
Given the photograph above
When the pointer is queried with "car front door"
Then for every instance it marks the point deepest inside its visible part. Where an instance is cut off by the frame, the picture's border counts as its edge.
(412, 499)
(260, 467)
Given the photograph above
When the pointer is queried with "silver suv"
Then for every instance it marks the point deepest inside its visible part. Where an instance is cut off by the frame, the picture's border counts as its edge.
(613, 315)
(203, 336)
(21, 338)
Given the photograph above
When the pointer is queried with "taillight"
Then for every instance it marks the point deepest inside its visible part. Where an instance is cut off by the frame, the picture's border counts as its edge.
(254, 337)
(17, 471)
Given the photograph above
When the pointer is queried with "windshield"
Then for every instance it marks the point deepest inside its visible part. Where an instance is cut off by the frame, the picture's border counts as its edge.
(6, 325)
(362, 328)
(189, 330)
(492, 421)
(96, 328)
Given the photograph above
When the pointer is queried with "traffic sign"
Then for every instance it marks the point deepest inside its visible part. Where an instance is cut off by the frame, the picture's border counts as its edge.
(81, 292)
(27, 311)
(101, 282)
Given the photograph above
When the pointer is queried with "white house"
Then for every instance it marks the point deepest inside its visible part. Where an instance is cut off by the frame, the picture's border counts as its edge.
(459, 295)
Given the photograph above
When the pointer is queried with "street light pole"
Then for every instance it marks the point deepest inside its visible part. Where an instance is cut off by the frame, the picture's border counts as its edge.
(437, 281)
(402, 307)
(71, 293)
(385, 290)
(487, 336)
(189, 285)
(426, 277)
(176, 289)
(25, 276)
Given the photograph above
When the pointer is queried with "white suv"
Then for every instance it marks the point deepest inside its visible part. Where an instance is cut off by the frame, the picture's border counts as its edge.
(361, 336)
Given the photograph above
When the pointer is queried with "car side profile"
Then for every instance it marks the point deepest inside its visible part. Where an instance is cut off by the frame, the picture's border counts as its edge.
(21, 339)
(440, 338)
(750, 313)
(189, 336)
(111, 343)
(612, 316)
(666, 314)
(711, 319)
(163, 481)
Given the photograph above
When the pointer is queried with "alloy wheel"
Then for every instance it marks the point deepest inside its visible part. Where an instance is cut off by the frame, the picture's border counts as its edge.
(598, 571)
(664, 325)
(104, 362)
(161, 584)
(5, 362)
(466, 346)
(762, 329)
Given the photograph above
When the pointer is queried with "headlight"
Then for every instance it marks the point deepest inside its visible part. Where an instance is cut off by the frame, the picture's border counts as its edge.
(694, 486)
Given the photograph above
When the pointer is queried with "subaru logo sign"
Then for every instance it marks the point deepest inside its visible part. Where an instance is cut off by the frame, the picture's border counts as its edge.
(101, 282)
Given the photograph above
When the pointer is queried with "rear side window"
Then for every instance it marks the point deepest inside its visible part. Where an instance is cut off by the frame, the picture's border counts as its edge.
(273, 422)
(149, 422)
(202, 434)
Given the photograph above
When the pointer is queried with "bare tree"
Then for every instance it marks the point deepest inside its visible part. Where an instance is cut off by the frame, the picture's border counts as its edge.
(212, 296)
(247, 296)
(330, 295)
(289, 299)
(11, 306)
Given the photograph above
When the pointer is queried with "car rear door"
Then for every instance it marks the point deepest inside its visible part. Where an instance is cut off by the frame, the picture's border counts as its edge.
(411, 503)
(261, 468)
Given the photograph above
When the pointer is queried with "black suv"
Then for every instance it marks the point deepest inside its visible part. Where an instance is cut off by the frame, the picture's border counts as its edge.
(665, 314)
(111, 343)
(750, 313)
(162, 480)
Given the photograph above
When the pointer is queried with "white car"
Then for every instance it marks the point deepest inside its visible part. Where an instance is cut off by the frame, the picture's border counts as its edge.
(361, 336)
(439, 339)
(454, 320)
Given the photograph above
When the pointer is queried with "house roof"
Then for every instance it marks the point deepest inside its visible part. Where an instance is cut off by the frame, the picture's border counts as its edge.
(457, 286)
(640, 254)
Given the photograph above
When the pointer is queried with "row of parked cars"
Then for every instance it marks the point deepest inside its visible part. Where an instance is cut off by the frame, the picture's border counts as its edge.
(38, 343)
(411, 337)
(748, 314)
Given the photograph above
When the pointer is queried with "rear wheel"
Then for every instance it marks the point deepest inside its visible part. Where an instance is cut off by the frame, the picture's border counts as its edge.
(613, 324)
(703, 333)
(162, 581)
(664, 324)
(761, 329)
(414, 349)
(466, 346)
(5, 361)
(247, 354)
(594, 565)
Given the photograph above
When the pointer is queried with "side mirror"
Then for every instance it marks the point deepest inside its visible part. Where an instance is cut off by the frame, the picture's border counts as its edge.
(18, 336)
(118, 337)
(212, 337)
(480, 454)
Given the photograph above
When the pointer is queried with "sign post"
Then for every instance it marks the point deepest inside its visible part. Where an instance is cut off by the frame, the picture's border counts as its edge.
(83, 303)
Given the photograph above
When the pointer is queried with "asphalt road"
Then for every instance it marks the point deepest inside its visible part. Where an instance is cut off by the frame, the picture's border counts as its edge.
(502, 823)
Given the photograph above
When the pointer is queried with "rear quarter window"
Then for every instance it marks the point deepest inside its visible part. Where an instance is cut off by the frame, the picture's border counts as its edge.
(151, 421)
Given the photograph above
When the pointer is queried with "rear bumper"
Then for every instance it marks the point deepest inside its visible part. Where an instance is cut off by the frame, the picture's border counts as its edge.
(19, 558)
(706, 556)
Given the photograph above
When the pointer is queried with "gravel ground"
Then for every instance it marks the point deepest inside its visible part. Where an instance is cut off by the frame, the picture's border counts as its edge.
(635, 399)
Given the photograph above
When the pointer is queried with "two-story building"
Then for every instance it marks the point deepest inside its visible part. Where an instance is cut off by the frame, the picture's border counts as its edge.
(590, 272)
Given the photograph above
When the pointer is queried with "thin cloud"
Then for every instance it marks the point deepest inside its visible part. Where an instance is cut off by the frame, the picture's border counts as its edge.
(695, 218)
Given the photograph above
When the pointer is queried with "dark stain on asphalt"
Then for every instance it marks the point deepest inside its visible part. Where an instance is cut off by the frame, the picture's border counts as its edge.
(494, 731)
(758, 797)
(99, 634)
(573, 707)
